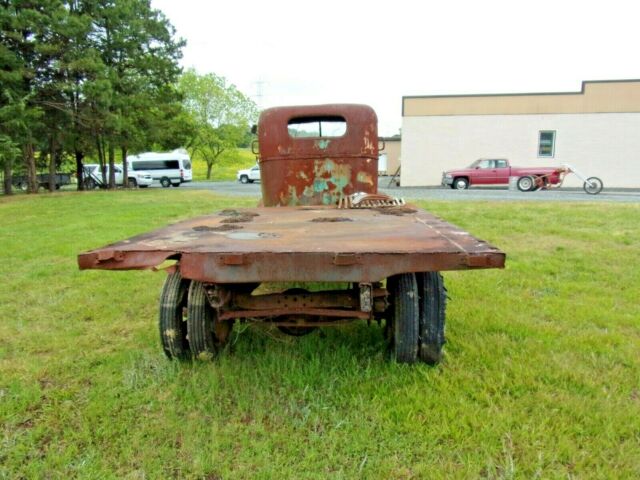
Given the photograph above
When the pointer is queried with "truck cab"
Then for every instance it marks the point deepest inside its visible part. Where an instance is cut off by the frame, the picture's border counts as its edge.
(317, 155)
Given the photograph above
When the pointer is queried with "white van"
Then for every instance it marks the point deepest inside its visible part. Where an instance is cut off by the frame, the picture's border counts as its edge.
(171, 168)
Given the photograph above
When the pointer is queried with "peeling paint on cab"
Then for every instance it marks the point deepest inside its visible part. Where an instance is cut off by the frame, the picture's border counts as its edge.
(320, 170)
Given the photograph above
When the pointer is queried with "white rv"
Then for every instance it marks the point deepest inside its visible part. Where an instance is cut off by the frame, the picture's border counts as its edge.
(171, 168)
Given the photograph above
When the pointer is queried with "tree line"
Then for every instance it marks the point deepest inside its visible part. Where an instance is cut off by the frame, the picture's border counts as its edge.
(99, 79)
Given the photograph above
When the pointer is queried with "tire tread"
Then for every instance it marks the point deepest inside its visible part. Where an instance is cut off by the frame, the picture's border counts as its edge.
(173, 332)
(433, 304)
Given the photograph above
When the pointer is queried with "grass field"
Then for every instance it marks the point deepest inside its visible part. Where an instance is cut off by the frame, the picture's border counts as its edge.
(225, 167)
(541, 377)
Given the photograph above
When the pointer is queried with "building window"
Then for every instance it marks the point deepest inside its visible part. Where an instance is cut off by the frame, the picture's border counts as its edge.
(547, 143)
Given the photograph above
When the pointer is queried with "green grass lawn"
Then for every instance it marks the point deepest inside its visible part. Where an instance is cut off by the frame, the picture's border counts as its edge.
(226, 166)
(541, 377)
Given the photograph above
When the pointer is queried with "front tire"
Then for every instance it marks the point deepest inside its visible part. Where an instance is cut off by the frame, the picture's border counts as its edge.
(525, 184)
(244, 179)
(133, 183)
(406, 313)
(460, 183)
(173, 328)
(433, 303)
(593, 185)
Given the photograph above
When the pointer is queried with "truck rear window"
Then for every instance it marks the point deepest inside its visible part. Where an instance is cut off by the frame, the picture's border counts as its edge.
(317, 127)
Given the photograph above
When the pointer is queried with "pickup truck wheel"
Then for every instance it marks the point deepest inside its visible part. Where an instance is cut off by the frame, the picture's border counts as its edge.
(525, 184)
(593, 185)
(173, 327)
(433, 303)
(405, 313)
(89, 184)
(460, 183)
(201, 324)
(165, 182)
(244, 179)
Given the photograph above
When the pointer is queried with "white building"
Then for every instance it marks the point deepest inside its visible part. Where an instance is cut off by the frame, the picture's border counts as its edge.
(596, 130)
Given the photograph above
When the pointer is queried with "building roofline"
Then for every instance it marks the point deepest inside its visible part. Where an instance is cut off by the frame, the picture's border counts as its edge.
(530, 94)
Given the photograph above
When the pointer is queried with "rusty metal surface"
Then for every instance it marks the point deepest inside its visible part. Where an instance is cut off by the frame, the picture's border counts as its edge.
(317, 170)
(302, 244)
(309, 312)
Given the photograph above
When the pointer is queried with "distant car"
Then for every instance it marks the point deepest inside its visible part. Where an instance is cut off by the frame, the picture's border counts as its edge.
(487, 171)
(93, 176)
(249, 175)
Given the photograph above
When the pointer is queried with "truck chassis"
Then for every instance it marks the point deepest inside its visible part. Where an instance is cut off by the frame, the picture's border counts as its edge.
(382, 257)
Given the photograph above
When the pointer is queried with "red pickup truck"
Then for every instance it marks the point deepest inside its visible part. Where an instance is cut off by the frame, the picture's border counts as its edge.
(497, 172)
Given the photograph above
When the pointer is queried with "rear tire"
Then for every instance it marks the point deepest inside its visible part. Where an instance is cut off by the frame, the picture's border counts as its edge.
(165, 182)
(201, 322)
(433, 303)
(525, 184)
(406, 313)
(173, 328)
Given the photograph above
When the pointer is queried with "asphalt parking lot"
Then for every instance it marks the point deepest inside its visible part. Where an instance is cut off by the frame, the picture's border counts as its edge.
(440, 193)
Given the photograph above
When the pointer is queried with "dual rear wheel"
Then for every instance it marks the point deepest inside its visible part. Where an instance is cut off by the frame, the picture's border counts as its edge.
(417, 313)
(189, 327)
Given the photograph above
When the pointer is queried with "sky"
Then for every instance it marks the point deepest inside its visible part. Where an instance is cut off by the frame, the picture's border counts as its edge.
(374, 52)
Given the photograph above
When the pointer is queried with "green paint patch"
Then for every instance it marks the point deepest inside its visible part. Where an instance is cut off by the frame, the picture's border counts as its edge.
(322, 144)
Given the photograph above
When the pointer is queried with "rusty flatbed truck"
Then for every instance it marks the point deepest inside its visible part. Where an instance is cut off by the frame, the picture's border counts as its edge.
(321, 220)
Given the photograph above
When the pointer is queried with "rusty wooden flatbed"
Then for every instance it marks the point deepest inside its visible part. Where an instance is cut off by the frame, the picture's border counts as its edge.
(305, 244)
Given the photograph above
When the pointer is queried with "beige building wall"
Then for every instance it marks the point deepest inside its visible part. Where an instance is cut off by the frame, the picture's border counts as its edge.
(597, 131)
(606, 145)
(595, 97)
(392, 149)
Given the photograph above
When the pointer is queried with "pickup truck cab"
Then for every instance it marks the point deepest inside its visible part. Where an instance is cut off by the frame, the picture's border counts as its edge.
(249, 175)
(486, 171)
